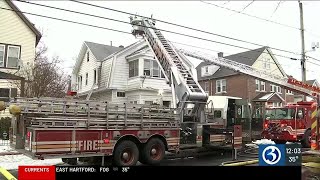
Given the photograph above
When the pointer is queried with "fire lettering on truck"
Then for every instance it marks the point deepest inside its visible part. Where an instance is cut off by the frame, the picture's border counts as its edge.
(88, 145)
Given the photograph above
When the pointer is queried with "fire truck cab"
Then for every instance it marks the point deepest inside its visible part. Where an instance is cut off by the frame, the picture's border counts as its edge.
(290, 123)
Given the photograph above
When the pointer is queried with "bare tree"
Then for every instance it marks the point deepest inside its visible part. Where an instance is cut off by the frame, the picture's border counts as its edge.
(44, 78)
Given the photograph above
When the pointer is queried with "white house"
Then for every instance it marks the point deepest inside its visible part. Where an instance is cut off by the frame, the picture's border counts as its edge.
(18, 41)
(129, 74)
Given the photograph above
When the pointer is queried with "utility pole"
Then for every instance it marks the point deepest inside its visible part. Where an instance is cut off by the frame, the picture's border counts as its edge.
(303, 55)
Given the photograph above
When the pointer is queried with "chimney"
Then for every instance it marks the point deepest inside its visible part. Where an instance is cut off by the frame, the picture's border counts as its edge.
(110, 43)
(220, 54)
(121, 46)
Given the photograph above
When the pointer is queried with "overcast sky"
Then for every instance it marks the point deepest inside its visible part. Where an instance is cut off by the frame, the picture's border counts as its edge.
(65, 39)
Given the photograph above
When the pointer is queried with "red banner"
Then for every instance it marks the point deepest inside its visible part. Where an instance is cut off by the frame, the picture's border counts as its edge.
(36, 173)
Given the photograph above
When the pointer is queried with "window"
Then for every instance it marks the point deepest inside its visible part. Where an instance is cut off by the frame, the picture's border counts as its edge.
(266, 63)
(121, 94)
(151, 68)
(86, 78)
(276, 104)
(207, 69)
(206, 87)
(155, 69)
(262, 86)
(221, 86)
(133, 102)
(166, 103)
(147, 68)
(217, 114)
(279, 90)
(257, 85)
(88, 56)
(273, 88)
(13, 56)
(6, 93)
(148, 102)
(95, 76)
(133, 68)
(80, 82)
(2, 55)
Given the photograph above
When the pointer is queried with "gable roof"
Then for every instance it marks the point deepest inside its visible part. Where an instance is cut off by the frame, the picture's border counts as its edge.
(25, 20)
(247, 57)
(266, 96)
(100, 51)
(312, 82)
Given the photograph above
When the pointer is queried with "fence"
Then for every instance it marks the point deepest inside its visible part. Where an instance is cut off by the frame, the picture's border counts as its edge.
(4, 142)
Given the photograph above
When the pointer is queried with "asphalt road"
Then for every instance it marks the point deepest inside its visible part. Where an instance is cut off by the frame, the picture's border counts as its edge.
(211, 160)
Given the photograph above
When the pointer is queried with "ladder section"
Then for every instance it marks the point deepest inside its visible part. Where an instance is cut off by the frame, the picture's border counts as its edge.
(248, 70)
(66, 113)
(191, 83)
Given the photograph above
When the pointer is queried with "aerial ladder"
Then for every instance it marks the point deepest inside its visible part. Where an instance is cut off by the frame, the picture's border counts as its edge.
(184, 82)
(191, 97)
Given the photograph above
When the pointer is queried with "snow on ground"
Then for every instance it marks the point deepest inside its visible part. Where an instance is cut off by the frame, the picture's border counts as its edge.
(5, 147)
(264, 141)
(13, 161)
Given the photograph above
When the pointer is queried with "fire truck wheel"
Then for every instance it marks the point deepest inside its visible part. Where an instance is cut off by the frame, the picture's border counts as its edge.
(306, 141)
(153, 152)
(126, 154)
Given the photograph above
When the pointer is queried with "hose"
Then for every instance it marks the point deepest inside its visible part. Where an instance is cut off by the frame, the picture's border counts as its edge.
(241, 163)
(6, 174)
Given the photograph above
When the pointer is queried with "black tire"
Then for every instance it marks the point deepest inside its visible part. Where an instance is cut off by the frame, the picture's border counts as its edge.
(132, 153)
(306, 143)
(153, 158)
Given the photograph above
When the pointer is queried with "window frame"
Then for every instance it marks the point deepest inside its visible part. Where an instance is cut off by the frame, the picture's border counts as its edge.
(95, 76)
(4, 54)
(119, 93)
(88, 56)
(258, 87)
(135, 64)
(19, 54)
(151, 68)
(86, 80)
(220, 83)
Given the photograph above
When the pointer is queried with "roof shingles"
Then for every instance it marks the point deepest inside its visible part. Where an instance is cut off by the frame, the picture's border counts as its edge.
(101, 51)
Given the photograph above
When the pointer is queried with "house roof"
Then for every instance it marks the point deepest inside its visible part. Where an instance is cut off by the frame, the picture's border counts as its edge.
(100, 51)
(311, 82)
(247, 58)
(25, 20)
(4, 75)
(266, 96)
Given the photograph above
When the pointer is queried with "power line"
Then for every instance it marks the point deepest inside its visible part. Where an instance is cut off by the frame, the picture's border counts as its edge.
(259, 18)
(195, 37)
(174, 24)
(90, 25)
(130, 24)
(49, 17)
(177, 33)
(276, 8)
(247, 6)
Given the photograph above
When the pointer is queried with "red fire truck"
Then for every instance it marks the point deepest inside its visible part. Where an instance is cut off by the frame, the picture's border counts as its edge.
(291, 123)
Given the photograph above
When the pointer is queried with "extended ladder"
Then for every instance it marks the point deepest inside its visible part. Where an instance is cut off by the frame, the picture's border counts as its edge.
(248, 70)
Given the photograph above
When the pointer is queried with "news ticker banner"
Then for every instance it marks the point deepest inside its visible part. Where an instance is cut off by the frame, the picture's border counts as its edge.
(97, 172)
(280, 155)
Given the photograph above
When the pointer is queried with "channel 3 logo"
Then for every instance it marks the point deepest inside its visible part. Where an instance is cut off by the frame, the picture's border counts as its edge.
(272, 155)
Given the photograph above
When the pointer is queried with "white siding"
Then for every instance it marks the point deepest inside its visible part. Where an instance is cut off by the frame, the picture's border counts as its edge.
(273, 67)
(14, 31)
(87, 67)
(211, 70)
